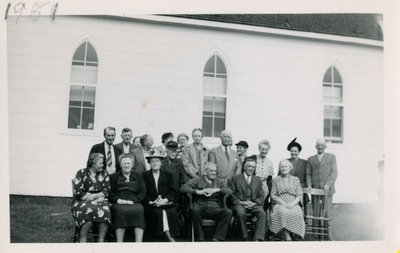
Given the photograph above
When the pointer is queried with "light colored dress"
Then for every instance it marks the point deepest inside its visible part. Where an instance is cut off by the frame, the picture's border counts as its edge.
(264, 169)
(287, 189)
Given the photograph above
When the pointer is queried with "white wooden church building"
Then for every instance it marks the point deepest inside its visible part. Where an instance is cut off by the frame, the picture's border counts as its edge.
(272, 77)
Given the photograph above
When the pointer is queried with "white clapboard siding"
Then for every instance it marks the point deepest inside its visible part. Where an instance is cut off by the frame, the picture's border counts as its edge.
(150, 79)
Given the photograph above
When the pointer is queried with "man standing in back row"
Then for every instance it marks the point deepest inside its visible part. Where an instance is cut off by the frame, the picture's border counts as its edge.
(111, 152)
(224, 157)
(321, 173)
(126, 146)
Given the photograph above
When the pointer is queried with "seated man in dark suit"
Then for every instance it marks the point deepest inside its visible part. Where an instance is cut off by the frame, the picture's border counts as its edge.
(248, 197)
(111, 152)
(126, 146)
(207, 189)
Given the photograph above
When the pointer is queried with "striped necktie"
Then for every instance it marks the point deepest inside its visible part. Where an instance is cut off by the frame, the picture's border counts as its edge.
(109, 158)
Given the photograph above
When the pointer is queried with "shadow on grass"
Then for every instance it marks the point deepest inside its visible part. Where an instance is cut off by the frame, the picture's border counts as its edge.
(39, 219)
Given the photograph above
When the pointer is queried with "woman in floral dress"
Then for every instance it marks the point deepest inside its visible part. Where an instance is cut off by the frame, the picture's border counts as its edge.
(287, 215)
(89, 203)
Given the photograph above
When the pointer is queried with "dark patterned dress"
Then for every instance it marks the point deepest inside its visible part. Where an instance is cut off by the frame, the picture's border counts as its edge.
(96, 211)
(281, 217)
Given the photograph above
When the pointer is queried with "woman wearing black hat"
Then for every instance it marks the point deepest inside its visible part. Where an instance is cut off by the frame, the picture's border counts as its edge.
(299, 165)
(160, 208)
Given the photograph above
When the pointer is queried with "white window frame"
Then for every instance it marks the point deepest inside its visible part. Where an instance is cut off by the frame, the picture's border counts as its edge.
(73, 131)
(214, 95)
(332, 139)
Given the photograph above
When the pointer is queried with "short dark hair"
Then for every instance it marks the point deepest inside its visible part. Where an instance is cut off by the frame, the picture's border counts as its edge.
(198, 129)
(108, 128)
(165, 136)
(252, 158)
(125, 130)
(143, 139)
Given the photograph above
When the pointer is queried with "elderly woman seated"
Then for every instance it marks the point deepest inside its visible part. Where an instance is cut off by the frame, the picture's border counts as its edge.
(160, 202)
(89, 203)
(127, 193)
(286, 192)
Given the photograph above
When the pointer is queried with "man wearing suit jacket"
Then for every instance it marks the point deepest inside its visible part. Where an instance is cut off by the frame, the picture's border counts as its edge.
(111, 152)
(206, 190)
(139, 154)
(194, 156)
(321, 173)
(224, 157)
(126, 146)
(248, 197)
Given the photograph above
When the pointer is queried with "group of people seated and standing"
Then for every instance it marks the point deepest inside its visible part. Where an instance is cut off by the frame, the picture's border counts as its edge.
(145, 188)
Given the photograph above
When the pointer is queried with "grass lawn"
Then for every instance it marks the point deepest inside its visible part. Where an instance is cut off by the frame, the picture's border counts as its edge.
(48, 219)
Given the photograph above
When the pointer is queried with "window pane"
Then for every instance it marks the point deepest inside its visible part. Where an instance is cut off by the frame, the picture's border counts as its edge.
(208, 104)
(75, 95)
(220, 105)
(91, 53)
(327, 112)
(220, 66)
(328, 76)
(210, 65)
(219, 126)
(336, 76)
(78, 74)
(220, 86)
(336, 94)
(327, 127)
(80, 53)
(327, 93)
(89, 94)
(91, 74)
(336, 128)
(88, 119)
(74, 118)
(207, 126)
(208, 84)
(336, 112)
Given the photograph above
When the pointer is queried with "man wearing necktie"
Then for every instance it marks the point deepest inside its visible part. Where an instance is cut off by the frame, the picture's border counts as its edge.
(110, 151)
(321, 173)
(248, 197)
(224, 157)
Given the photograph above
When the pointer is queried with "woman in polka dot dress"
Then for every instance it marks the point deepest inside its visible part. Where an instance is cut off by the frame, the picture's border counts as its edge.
(287, 215)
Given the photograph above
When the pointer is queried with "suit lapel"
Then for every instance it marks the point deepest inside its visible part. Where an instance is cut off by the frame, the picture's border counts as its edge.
(221, 153)
(242, 182)
(324, 159)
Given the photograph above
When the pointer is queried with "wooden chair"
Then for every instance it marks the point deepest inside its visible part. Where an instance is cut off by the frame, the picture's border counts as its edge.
(317, 222)
(250, 226)
(206, 223)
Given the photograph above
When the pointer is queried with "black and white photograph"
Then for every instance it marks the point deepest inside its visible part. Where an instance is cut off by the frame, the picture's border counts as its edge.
(255, 128)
